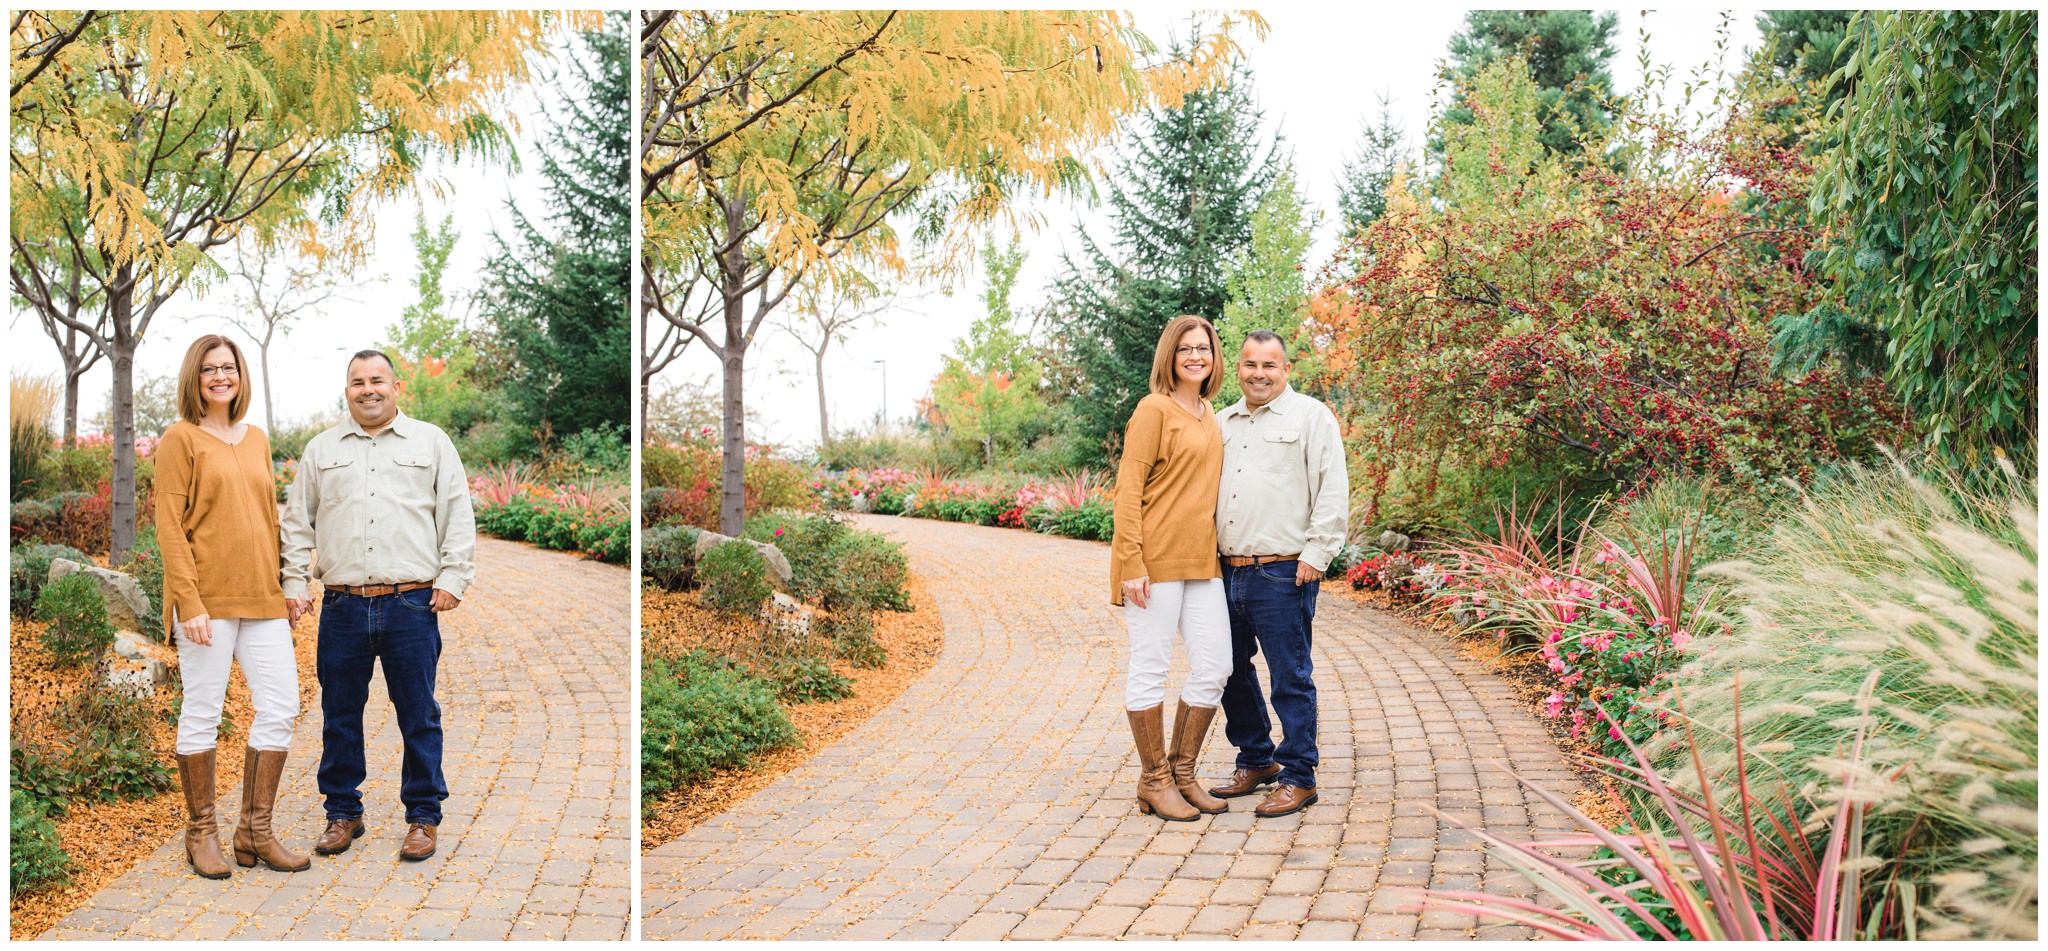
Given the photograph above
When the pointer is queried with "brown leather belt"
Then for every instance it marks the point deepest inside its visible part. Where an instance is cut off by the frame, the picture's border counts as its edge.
(380, 590)
(1244, 561)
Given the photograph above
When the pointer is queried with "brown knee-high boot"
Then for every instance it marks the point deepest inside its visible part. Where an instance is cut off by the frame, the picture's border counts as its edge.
(261, 770)
(202, 830)
(1190, 731)
(1156, 794)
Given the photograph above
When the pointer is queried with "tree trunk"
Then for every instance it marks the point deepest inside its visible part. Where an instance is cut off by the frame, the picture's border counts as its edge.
(120, 312)
(269, 412)
(732, 498)
(824, 424)
(71, 378)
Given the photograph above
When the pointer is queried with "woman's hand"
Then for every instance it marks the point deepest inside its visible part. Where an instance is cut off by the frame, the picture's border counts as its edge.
(198, 630)
(1138, 590)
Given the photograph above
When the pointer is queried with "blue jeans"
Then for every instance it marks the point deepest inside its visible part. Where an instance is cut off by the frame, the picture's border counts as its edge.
(1269, 612)
(356, 633)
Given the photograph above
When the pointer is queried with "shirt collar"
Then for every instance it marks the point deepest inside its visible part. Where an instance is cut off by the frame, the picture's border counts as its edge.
(1277, 404)
(400, 424)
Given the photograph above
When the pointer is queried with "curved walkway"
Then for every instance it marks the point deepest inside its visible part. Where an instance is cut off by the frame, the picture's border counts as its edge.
(993, 799)
(535, 841)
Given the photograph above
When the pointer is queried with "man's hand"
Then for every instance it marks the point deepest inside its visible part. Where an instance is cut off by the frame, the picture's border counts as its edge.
(198, 630)
(298, 608)
(1305, 573)
(443, 601)
(1138, 590)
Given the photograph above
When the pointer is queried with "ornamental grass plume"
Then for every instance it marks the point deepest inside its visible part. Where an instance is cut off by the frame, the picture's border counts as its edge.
(1930, 588)
(30, 402)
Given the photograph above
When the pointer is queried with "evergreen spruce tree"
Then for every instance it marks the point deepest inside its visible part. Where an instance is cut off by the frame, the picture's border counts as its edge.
(1362, 187)
(559, 296)
(1568, 52)
(1181, 204)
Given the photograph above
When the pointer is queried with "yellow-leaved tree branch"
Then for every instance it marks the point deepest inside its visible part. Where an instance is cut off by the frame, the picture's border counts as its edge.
(140, 140)
(775, 147)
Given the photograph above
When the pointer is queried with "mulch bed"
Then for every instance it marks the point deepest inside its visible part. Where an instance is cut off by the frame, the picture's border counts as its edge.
(106, 839)
(1531, 680)
(673, 623)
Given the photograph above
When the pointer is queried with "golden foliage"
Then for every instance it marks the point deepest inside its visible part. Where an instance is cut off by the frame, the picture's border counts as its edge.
(812, 126)
(154, 129)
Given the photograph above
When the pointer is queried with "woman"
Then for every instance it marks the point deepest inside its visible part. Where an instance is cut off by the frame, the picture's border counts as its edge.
(216, 521)
(1163, 566)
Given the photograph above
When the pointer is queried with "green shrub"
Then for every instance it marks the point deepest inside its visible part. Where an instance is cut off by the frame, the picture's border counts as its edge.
(511, 520)
(603, 448)
(46, 775)
(667, 556)
(79, 469)
(868, 571)
(76, 616)
(812, 679)
(734, 577)
(697, 716)
(30, 571)
(807, 542)
(35, 857)
(120, 765)
(1093, 520)
(607, 538)
(853, 639)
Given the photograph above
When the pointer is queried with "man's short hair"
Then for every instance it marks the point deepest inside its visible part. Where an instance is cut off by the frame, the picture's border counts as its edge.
(1263, 336)
(374, 355)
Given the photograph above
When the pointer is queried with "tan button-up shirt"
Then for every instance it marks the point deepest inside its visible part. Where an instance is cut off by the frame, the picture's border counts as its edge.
(381, 509)
(1285, 489)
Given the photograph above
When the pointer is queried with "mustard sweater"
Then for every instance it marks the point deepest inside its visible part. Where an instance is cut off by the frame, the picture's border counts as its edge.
(1166, 496)
(216, 521)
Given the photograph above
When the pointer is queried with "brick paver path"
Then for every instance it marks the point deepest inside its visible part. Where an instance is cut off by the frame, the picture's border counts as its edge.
(535, 839)
(994, 798)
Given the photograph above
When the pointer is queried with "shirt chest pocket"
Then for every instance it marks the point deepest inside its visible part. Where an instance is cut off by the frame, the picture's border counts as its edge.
(1280, 450)
(339, 479)
(412, 477)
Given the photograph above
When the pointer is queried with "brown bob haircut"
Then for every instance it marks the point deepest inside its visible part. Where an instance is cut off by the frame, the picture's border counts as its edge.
(1162, 357)
(191, 404)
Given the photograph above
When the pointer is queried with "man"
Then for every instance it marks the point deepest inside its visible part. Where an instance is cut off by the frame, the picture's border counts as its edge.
(1280, 518)
(385, 501)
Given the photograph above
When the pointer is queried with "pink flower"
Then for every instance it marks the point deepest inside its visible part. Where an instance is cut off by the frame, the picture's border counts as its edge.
(1614, 731)
(1553, 705)
(1680, 638)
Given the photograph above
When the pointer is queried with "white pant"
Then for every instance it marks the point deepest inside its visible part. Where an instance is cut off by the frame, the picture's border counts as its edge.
(1198, 611)
(264, 646)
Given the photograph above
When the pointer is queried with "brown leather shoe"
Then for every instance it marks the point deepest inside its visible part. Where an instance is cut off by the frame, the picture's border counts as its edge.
(202, 830)
(1190, 729)
(419, 842)
(1244, 782)
(1285, 800)
(340, 834)
(1156, 793)
(261, 770)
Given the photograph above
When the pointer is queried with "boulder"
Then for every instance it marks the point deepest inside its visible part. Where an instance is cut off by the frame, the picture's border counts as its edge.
(127, 606)
(137, 666)
(785, 621)
(1393, 541)
(778, 566)
(130, 645)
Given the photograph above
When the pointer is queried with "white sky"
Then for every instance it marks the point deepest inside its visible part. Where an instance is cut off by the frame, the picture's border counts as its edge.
(307, 362)
(1316, 77)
